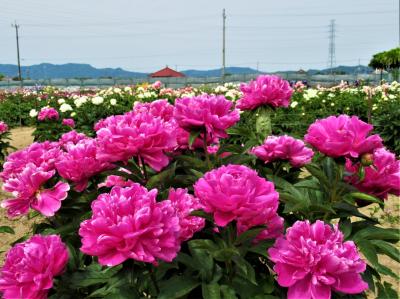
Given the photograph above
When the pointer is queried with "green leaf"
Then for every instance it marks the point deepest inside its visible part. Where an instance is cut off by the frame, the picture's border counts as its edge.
(249, 234)
(345, 227)
(377, 233)
(177, 287)
(7, 229)
(211, 291)
(225, 254)
(193, 136)
(228, 292)
(262, 247)
(365, 197)
(386, 291)
(245, 269)
(93, 275)
(161, 177)
(202, 214)
(387, 249)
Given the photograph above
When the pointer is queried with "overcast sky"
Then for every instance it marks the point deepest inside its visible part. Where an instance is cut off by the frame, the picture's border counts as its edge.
(145, 36)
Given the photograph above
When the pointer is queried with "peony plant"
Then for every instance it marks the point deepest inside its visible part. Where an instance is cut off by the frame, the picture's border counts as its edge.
(162, 201)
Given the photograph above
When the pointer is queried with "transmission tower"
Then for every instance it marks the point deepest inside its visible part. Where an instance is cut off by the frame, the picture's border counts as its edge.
(332, 46)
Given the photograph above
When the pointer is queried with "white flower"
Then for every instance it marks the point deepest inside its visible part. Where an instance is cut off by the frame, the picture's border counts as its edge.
(128, 88)
(80, 100)
(392, 96)
(294, 104)
(117, 90)
(33, 113)
(332, 104)
(61, 101)
(113, 102)
(97, 100)
(65, 107)
(73, 114)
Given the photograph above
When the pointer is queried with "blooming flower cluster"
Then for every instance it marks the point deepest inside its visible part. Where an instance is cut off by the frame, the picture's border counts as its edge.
(129, 223)
(30, 266)
(312, 259)
(381, 178)
(236, 192)
(25, 174)
(48, 114)
(211, 114)
(265, 90)
(342, 136)
(284, 148)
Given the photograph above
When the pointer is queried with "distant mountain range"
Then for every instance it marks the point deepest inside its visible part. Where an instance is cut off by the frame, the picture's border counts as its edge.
(78, 70)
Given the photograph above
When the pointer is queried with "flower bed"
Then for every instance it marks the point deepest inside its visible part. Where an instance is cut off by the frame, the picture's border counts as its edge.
(197, 199)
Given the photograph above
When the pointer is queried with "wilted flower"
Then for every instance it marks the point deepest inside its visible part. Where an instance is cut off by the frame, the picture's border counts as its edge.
(30, 266)
(3, 127)
(236, 192)
(381, 178)
(265, 90)
(69, 122)
(312, 260)
(338, 136)
(184, 204)
(128, 223)
(214, 114)
(142, 135)
(283, 148)
(78, 164)
(48, 113)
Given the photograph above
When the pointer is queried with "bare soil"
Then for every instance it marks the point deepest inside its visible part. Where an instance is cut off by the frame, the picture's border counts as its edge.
(22, 137)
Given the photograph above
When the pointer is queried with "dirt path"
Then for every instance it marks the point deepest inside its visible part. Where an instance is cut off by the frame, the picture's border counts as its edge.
(20, 138)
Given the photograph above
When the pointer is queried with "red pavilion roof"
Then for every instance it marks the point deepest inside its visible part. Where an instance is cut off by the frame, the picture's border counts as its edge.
(167, 72)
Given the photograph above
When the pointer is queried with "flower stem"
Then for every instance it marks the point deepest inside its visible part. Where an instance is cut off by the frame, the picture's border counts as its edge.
(205, 150)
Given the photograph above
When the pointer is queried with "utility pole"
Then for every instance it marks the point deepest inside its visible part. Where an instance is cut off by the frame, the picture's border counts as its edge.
(332, 57)
(16, 26)
(223, 45)
(399, 23)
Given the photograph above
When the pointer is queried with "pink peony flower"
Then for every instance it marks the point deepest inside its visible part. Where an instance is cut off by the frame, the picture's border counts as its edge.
(78, 164)
(342, 136)
(265, 90)
(283, 148)
(48, 113)
(27, 187)
(69, 122)
(136, 135)
(128, 223)
(214, 114)
(158, 108)
(184, 204)
(381, 179)
(30, 266)
(312, 259)
(3, 127)
(72, 137)
(43, 155)
(156, 85)
(116, 180)
(236, 192)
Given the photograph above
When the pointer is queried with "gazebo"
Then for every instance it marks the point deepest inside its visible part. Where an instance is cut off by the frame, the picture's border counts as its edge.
(167, 72)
